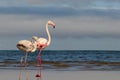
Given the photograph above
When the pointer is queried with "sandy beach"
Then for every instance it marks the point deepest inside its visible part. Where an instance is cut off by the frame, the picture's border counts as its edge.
(61, 75)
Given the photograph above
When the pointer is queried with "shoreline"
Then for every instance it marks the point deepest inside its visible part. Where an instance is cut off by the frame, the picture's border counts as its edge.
(6, 74)
(80, 66)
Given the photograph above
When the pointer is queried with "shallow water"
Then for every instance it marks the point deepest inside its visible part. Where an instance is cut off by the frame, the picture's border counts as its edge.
(64, 60)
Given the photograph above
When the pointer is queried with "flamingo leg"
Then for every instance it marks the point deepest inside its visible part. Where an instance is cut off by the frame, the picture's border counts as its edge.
(25, 63)
(20, 67)
(39, 63)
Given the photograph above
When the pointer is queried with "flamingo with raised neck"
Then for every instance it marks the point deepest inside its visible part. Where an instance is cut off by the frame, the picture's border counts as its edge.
(43, 43)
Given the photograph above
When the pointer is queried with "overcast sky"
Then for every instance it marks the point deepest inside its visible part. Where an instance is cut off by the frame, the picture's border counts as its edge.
(80, 24)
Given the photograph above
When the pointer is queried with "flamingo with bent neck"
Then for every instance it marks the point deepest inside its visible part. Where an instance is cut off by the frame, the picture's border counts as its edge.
(25, 46)
(43, 43)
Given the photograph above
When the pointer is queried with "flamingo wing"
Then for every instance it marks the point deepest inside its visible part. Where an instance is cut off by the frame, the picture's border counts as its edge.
(42, 40)
(25, 45)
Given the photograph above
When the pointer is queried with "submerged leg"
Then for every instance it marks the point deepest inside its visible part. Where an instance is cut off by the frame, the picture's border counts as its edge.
(25, 63)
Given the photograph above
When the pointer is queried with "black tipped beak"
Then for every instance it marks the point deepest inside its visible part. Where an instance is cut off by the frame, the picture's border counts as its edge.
(53, 26)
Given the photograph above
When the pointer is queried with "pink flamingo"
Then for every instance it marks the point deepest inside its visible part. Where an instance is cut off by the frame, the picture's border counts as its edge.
(43, 43)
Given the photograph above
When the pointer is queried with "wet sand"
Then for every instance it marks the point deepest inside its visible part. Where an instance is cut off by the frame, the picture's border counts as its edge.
(6, 74)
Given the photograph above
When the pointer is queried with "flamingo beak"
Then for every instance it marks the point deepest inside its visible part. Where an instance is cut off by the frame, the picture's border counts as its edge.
(53, 26)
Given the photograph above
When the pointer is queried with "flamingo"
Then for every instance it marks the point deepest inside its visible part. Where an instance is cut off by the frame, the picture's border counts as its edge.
(42, 43)
(25, 46)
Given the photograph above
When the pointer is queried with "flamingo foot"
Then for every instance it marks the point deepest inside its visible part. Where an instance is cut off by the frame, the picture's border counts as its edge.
(38, 75)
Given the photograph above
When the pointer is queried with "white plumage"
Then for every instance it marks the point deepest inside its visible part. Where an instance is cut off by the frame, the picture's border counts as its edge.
(26, 46)
(42, 42)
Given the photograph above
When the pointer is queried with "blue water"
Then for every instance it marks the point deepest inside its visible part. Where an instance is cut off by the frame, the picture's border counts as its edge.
(64, 60)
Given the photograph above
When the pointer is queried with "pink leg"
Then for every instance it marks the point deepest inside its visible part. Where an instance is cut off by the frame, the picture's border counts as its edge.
(20, 68)
(39, 62)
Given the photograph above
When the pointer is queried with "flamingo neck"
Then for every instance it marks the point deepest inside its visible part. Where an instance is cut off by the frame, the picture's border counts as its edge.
(49, 37)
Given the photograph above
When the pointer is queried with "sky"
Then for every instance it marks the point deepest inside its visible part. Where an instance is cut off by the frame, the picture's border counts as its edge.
(80, 24)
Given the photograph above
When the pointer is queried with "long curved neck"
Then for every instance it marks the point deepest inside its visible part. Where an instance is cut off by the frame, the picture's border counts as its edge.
(49, 37)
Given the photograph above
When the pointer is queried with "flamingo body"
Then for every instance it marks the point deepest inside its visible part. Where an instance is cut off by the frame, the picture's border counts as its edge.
(26, 46)
(41, 42)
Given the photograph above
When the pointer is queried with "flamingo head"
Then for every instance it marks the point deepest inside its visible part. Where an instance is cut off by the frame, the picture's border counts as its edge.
(51, 23)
